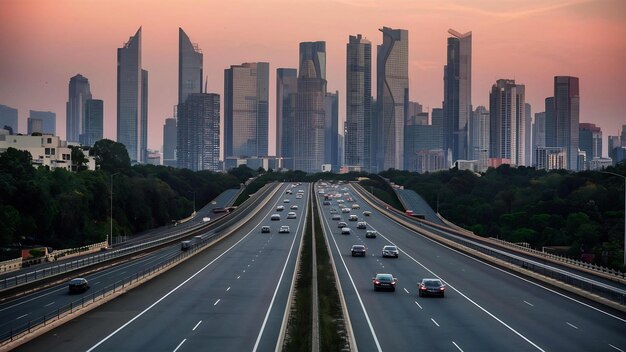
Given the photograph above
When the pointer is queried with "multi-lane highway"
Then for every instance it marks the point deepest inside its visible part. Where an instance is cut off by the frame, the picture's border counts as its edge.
(231, 297)
(485, 308)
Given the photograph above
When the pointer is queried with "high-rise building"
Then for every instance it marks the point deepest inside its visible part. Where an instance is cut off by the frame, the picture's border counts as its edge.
(562, 117)
(507, 119)
(613, 142)
(309, 122)
(457, 95)
(622, 136)
(48, 120)
(358, 103)
(8, 117)
(169, 142)
(528, 119)
(246, 119)
(539, 134)
(331, 126)
(590, 140)
(189, 67)
(79, 93)
(392, 91)
(199, 132)
(34, 125)
(286, 90)
(479, 137)
(93, 126)
(132, 100)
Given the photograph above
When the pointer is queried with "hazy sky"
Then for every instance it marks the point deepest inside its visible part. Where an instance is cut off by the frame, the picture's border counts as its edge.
(43, 43)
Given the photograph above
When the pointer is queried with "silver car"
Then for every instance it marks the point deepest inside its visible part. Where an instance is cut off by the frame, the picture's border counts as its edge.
(390, 251)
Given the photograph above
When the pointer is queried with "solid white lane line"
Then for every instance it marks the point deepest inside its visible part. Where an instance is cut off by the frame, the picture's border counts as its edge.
(216, 302)
(21, 316)
(619, 349)
(122, 273)
(95, 283)
(433, 320)
(49, 304)
(228, 289)
(457, 346)
(195, 327)
(418, 305)
(180, 344)
(530, 304)
(574, 326)
(405, 290)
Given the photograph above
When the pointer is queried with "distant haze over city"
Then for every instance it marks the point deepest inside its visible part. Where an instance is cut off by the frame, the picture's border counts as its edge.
(45, 43)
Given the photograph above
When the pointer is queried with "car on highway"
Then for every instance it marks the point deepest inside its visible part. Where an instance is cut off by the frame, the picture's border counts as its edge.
(341, 224)
(350, 199)
(294, 207)
(326, 202)
(280, 208)
(384, 282)
(345, 230)
(361, 225)
(288, 191)
(286, 200)
(345, 210)
(283, 229)
(78, 285)
(265, 229)
(358, 249)
(275, 217)
(333, 211)
(431, 287)
(390, 251)
(367, 213)
(339, 201)
(353, 218)
(299, 196)
(356, 206)
(291, 215)
(336, 217)
(371, 234)
(206, 219)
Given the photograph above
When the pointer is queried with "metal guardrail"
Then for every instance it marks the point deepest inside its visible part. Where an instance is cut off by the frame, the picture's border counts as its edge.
(60, 312)
(611, 293)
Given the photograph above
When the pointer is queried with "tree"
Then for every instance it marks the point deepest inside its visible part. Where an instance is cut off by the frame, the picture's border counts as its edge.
(79, 161)
(17, 163)
(111, 156)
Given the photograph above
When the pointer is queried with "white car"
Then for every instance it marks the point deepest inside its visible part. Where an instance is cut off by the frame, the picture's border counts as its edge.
(345, 210)
(353, 218)
(361, 225)
(367, 213)
(390, 251)
(286, 200)
(275, 217)
(356, 206)
(291, 215)
(345, 230)
(294, 207)
(283, 229)
(280, 208)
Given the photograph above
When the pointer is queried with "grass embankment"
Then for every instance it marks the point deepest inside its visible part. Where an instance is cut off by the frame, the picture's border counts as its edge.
(382, 190)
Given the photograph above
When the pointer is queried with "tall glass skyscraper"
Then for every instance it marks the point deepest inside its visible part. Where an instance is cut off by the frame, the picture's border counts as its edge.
(457, 95)
(8, 117)
(200, 149)
(309, 131)
(169, 142)
(189, 67)
(93, 127)
(358, 103)
(566, 115)
(79, 93)
(246, 117)
(132, 100)
(331, 150)
(48, 120)
(392, 99)
(507, 119)
(590, 139)
(479, 136)
(286, 90)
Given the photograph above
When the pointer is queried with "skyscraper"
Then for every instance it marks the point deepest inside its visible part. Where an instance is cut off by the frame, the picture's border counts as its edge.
(539, 134)
(507, 121)
(309, 120)
(392, 99)
(479, 136)
(331, 126)
(562, 117)
(93, 126)
(358, 103)
(48, 120)
(189, 67)
(590, 139)
(132, 99)
(79, 93)
(34, 125)
(528, 120)
(246, 97)
(169, 142)
(199, 139)
(457, 95)
(8, 117)
(286, 90)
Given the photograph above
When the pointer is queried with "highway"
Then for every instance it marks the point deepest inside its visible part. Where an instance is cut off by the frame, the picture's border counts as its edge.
(231, 297)
(485, 308)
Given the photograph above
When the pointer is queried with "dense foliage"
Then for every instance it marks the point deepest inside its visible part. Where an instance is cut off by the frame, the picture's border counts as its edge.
(64, 209)
(583, 211)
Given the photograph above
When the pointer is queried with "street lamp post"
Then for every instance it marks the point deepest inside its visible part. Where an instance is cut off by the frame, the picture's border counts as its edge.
(624, 177)
(111, 229)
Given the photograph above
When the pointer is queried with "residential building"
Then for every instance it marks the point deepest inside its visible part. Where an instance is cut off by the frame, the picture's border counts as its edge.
(79, 93)
(47, 150)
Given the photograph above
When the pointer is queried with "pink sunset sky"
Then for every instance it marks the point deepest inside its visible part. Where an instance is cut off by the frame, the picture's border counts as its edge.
(43, 43)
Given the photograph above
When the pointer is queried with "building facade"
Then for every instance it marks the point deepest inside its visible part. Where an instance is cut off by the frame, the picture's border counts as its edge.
(331, 126)
(562, 118)
(169, 142)
(93, 126)
(286, 90)
(79, 93)
(479, 138)
(190, 60)
(8, 118)
(47, 150)
(48, 120)
(590, 141)
(199, 130)
(507, 119)
(539, 134)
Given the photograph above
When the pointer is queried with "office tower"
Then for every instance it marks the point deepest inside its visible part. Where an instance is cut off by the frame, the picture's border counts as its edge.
(331, 126)
(93, 126)
(79, 93)
(286, 89)
(48, 120)
(246, 97)
(169, 142)
(539, 134)
(528, 119)
(423, 144)
(358, 103)
(590, 140)
(310, 117)
(34, 125)
(562, 117)
(189, 67)
(457, 94)
(199, 132)
(479, 137)
(132, 99)
(8, 117)
(392, 91)
(623, 136)
(507, 121)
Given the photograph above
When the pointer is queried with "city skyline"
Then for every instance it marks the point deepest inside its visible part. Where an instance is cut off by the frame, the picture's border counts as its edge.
(575, 40)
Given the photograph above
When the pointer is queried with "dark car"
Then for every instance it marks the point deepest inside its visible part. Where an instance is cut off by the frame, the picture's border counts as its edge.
(358, 249)
(370, 234)
(265, 229)
(78, 285)
(384, 282)
(326, 202)
(341, 225)
(431, 287)
(390, 251)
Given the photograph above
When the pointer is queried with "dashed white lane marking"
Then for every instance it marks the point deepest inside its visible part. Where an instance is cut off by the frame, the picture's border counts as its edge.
(457, 346)
(21, 316)
(95, 283)
(228, 289)
(530, 304)
(238, 277)
(180, 344)
(433, 320)
(619, 349)
(405, 290)
(195, 327)
(216, 302)
(49, 304)
(572, 325)
(122, 273)
(418, 305)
